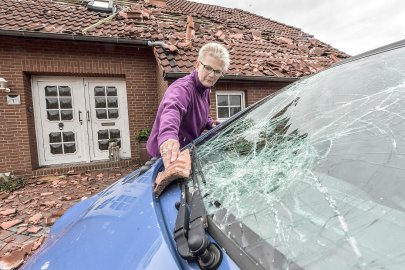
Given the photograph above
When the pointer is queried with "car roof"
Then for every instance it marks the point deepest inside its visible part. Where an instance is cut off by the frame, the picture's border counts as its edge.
(385, 48)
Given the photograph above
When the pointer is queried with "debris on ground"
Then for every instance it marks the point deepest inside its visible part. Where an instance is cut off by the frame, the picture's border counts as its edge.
(27, 213)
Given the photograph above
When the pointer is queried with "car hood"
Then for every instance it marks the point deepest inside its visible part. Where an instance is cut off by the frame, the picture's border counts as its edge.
(120, 228)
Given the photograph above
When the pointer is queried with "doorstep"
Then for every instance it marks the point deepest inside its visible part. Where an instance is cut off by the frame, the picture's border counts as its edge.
(93, 166)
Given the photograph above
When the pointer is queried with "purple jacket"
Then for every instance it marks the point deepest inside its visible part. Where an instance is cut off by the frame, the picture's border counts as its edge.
(182, 114)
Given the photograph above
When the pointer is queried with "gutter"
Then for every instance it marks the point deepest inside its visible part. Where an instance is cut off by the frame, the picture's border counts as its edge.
(176, 75)
(75, 37)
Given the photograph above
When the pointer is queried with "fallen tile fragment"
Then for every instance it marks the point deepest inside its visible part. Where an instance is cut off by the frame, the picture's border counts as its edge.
(11, 197)
(38, 243)
(51, 219)
(4, 234)
(35, 218)
(9, 211)
(9, 224)
(20, 230)
(65, 198)
(46, 193)
(180, 169)
(15, 258)
(34, 229)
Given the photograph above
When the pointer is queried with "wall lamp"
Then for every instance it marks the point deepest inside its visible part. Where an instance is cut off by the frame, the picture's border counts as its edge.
(3, 85)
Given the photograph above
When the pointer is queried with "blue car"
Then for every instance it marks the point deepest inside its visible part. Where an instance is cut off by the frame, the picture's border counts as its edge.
(309, 178)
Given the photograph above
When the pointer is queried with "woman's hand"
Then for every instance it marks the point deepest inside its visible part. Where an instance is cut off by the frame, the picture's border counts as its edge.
(215, 123)
(169, 150)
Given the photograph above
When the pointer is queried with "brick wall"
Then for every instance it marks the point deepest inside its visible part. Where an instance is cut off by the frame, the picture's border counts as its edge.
(20, 58)
(162, 84)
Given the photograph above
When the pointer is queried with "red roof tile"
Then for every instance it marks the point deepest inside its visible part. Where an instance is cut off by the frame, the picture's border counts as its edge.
(258, 46)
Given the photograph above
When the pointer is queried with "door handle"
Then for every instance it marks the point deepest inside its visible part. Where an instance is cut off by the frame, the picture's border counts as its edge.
(80, 118)
(88, 116)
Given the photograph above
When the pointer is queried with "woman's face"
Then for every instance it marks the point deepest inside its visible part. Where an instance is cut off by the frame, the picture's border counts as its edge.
(209, 70)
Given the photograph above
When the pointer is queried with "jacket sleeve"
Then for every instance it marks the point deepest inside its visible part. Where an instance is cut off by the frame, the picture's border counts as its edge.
(174, 104)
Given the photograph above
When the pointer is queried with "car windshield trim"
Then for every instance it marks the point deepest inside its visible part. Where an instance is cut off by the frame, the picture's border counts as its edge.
(388, 47)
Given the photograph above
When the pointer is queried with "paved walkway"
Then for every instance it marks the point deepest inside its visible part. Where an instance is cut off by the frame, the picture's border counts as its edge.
(27, 214)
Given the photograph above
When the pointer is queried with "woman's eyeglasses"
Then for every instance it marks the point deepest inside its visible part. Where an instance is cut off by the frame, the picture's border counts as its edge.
(209, 69)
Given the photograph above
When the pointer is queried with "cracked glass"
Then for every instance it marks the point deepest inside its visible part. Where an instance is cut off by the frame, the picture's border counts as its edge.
(313, 176)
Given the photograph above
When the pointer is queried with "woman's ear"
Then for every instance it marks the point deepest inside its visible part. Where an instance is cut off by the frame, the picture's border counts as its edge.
(196, 64)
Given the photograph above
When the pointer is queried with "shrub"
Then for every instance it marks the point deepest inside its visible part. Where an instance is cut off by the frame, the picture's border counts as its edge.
(12, 184)
(143, 134)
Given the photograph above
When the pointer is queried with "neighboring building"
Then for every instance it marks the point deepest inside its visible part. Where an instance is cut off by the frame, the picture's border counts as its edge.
(79, 77)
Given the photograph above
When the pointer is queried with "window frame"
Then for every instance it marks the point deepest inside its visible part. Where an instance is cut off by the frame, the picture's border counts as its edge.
(229, 93)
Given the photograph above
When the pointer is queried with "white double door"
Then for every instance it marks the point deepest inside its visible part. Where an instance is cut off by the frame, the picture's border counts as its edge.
(77, 118)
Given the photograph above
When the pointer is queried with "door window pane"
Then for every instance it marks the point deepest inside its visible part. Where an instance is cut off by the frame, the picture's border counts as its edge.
(99, 91)
(53, 115)
(52, 103)
(66, 114)
(113, 113)
(55, 137)
(69, 148)
(56, 149)
(112, 102)
(101, 114)
(114, 133)
(111, 91)
(51, 91)
(68, 136)
(103, 145)
(66, 103)
(102, 134)
(64, 91)
(100, 102)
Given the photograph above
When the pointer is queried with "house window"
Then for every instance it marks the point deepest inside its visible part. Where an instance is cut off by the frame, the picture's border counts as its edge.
(229, 103)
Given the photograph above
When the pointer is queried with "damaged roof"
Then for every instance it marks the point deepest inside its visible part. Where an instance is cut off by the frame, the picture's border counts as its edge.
(258, 46)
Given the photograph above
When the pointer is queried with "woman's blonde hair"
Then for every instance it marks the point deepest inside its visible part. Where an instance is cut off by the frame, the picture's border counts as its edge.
(216, 50)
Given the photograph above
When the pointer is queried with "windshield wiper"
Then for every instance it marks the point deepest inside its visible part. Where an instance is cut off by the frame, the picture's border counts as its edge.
(191, 223)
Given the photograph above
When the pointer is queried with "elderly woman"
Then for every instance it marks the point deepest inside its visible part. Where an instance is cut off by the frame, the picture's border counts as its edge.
(183, 113)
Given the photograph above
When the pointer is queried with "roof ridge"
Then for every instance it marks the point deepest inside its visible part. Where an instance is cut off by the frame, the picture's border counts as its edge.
(272, 20)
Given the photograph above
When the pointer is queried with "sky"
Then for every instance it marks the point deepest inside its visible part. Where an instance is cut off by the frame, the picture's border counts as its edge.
(352, 26)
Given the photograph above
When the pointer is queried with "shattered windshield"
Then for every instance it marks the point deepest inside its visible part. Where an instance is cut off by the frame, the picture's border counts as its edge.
(317, 171)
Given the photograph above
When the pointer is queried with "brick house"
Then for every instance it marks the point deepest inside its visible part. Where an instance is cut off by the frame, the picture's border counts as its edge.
(80, 74)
